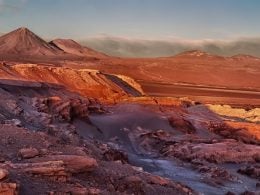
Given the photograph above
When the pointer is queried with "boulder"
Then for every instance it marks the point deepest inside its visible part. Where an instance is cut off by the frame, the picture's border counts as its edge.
(76, 164)
(27, 153)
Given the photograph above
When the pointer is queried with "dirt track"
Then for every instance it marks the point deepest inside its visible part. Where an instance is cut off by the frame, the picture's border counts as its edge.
(204, 94)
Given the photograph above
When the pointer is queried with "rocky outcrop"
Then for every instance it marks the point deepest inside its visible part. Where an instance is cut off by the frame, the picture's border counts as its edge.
(90, 83)
(68, 109)
(227, 151)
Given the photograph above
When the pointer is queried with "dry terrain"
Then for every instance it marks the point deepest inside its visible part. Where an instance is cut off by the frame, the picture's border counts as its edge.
(75, 121)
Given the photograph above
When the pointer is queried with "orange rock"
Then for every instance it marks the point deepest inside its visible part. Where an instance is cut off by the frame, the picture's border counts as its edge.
(9, 188)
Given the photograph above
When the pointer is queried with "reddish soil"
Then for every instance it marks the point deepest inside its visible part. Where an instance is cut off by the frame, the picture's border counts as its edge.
(65, 129)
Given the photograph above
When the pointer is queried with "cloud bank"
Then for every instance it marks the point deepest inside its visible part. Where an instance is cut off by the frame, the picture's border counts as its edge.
(124, 47)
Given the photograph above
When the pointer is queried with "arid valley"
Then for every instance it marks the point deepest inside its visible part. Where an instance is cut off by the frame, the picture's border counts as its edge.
(77, 121)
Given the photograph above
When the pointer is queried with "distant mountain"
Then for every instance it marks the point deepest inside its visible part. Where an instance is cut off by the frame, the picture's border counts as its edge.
(151, 48)
(24, 42)
(72, 47)
(244, 57)
(193, 53)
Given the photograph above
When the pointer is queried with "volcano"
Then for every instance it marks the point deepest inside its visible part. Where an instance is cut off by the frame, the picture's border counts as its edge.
(24, 42)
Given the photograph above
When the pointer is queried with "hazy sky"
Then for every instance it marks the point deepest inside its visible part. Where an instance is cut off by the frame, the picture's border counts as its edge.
(150, 19)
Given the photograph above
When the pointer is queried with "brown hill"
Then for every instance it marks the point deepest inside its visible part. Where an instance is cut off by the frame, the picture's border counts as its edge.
(24, 42)
(72, 47)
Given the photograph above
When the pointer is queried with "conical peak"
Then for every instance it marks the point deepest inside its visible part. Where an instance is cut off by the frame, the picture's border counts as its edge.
(23, 30)
(23, 41)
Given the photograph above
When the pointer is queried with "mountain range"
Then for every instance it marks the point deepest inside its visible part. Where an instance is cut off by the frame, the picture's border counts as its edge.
(23, 42)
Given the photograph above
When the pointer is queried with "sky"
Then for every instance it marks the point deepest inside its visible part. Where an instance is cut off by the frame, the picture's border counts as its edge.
(157, 20)
(190, 19)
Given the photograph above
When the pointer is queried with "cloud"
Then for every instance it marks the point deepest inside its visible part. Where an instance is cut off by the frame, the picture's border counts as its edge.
(125, 47)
